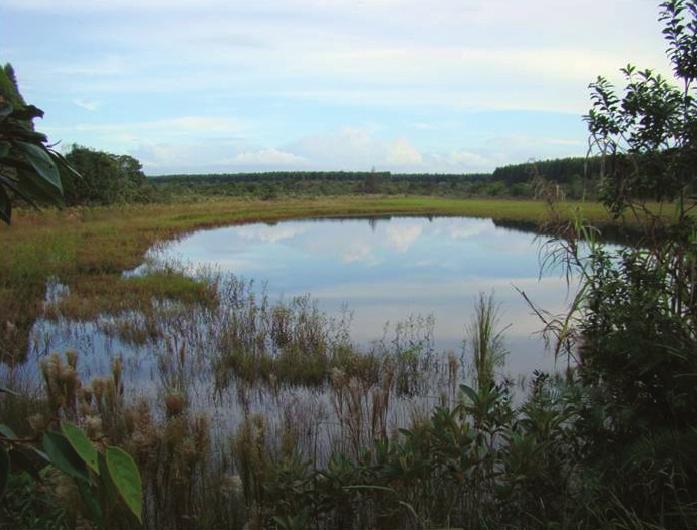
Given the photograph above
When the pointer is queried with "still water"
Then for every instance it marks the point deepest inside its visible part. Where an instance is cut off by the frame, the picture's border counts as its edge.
(385, 270)
(380, 271)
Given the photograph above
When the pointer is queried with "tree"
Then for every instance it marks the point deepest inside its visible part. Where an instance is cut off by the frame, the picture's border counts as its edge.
(28, 164)
(648, 135)
(105, 178)
(637, 319)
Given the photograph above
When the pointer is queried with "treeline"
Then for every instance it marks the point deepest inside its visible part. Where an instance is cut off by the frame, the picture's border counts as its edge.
(103, 178)
(571, 174)
(279, 176)
(320, 183)
(560, 170)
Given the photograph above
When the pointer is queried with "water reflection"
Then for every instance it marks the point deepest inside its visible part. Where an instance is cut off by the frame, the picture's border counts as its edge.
(385, 269)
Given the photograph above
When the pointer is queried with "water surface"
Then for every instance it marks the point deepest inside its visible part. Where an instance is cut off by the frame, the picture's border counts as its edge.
(388, 269)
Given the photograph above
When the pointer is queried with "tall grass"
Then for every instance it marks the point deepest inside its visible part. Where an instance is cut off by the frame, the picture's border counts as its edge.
(485, 340)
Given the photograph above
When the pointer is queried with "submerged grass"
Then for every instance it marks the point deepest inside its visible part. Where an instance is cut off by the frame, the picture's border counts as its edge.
(113, 294)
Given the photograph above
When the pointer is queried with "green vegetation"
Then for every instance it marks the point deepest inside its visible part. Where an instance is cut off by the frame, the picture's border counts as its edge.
(29, 168)
(396, 435)
(103, 178)
(576, 178)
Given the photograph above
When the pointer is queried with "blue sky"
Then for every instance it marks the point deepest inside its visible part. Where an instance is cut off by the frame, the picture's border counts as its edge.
(400, 85)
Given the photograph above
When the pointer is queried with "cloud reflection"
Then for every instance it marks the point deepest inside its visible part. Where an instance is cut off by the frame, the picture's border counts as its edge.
(389, 270)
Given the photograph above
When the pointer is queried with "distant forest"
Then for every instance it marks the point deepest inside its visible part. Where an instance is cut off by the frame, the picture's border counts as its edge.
(514, 180)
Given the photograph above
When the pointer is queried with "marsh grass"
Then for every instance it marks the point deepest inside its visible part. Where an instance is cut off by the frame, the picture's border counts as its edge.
(282, 376)
(245, 412)
(87, 249)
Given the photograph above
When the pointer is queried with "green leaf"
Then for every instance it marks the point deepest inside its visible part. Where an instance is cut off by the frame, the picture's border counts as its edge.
(30, 184)
(60, 159)
(4, 469)
(42, 163)
(28, 112)
(82, 445)
(62, 455)
(469, 391)
(126, 478)
(4, 148)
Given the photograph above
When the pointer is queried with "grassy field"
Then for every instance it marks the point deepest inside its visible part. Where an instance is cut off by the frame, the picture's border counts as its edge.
(89, 248)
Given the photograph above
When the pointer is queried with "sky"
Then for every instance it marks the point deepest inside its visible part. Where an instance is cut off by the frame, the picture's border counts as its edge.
(199, 86)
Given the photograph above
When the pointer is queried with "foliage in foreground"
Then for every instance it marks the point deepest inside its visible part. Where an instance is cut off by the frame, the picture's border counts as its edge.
(104, 478)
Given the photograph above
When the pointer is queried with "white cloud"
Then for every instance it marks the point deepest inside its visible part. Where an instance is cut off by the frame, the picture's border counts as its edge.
(86, 104)
(179, 126)
(295, 68)
(402, 153)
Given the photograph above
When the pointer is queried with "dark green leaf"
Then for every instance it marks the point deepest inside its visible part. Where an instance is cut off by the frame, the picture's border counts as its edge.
(94, 510)
(42, 163)
(82, 445)
(62, 455)
(474, 397)
(126, 478)
(4, 148)
(106, 484)
(4, 469)
(28, 112)
(20, 132)
(31, 185)
(12, 184)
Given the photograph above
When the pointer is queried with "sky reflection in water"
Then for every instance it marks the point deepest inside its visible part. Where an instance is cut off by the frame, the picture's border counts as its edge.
(387, 269)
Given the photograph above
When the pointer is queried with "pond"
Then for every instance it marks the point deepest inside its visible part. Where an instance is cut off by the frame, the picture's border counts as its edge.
(386, 270)
(318, 317)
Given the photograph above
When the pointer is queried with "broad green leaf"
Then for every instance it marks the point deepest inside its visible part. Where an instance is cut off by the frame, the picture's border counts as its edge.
(469, 391)
(4, 469)
(32, 185)
(82, 445)
(62, 455)
(126, 478)
(42, 163)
